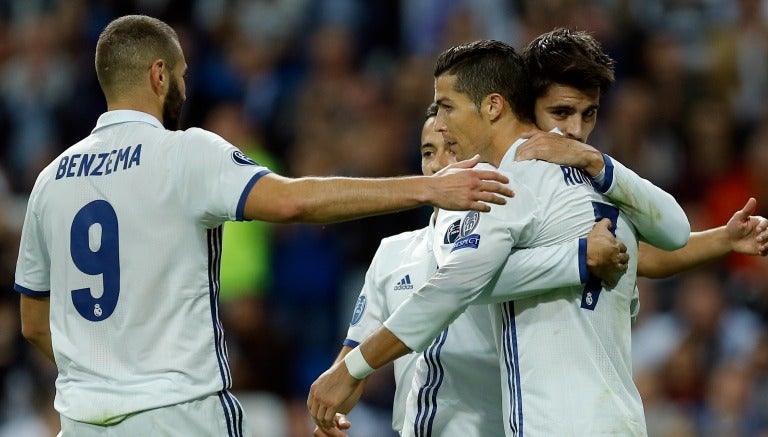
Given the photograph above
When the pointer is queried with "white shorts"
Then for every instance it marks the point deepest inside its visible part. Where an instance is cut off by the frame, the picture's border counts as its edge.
(206, 417)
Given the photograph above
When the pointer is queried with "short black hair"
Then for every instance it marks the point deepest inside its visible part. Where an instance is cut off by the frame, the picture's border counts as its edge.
(567, 57)
(488, 66)
(431, 111)
(128, 46)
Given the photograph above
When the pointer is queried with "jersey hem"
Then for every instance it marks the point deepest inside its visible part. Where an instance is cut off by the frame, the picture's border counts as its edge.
(246, 191)
(29, 292)
(350, 343)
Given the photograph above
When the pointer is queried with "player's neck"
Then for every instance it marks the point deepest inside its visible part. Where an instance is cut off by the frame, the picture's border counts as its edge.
(507, 133)
(141, 104)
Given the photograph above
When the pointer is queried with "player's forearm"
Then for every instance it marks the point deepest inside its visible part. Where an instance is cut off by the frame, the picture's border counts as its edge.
(702, 247)
(382, 347)
(44, 344)
(659, 219)
(350, 403)
(35, 325)
(538, 270)
(334, 199)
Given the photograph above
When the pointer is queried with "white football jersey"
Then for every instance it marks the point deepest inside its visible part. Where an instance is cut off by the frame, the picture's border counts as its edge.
(123, 232)
(464, 355)
(401, 264)
(564, 351)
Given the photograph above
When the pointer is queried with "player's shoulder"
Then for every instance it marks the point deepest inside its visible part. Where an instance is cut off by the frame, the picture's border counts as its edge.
(199, 137)
(399, 245)
(403, 238)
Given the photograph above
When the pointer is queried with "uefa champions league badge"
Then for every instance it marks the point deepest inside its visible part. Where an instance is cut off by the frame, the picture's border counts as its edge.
(469, 223)
(466, 238)
(359, 310)
(240, 158)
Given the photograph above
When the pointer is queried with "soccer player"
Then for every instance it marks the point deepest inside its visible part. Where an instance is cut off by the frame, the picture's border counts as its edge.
(571, 61)
(564, 352)
(119, 257)
(404, 262)
(569, 72)
(566, 66)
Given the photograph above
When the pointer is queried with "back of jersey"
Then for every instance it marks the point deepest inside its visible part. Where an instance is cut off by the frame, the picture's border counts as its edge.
(124, 229)
(565, 354)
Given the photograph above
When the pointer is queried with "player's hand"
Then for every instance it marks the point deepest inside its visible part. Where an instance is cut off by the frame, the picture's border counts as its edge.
(328, 393)
(557, 149)
(748, 234)
(340, 421)
(607, 257)
(459, 187)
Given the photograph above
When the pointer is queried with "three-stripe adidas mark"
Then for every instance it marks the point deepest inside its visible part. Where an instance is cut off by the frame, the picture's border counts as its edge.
(404, 284)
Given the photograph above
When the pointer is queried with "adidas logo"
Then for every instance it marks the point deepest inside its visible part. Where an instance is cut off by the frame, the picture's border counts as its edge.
(404, 284)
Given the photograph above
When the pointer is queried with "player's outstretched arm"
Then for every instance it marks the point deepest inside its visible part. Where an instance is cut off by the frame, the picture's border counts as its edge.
(276, 198)
(744, 233)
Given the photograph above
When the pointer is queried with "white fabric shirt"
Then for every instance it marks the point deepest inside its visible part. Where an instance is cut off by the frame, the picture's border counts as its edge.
(565, 352)
(401, 265)
(123, 233)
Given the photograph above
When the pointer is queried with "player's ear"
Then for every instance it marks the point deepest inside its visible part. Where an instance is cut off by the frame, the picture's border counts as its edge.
(158, 76)
(492, 106)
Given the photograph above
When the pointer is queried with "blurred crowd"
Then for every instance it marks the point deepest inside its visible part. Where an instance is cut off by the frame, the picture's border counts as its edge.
(338, 87)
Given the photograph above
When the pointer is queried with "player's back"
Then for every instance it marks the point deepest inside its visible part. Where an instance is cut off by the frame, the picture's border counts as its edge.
(132, 229)
(565, 354)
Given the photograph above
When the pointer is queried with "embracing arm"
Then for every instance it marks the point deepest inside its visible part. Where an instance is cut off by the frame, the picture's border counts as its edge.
(532, 271)
(35, 326)
(276, 198)
(656, 215)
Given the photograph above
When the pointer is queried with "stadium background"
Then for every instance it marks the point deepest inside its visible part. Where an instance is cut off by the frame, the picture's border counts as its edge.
(338, 87)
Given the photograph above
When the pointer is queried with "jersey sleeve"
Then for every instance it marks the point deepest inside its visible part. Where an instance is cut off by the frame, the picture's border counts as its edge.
(528, 272)
(33, 267)
(474, 261)
(656, 215)
(218, 177)
(371, 306)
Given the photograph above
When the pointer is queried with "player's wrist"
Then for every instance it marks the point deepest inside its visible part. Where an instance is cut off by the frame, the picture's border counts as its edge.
(595, 162)
(356, 364)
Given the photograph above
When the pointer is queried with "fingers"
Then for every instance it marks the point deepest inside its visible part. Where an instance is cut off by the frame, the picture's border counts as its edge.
(467, 163)
(762, 236)
(605, 223)
(762, 226)
(622, 260)
(749, 208)
(342, 422)
(490, 175)
(497, 188)
(479, 206)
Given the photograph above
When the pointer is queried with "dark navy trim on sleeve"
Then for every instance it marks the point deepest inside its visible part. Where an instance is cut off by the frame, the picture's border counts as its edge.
(31, 293)
(351, 343)
(608, 179)
(246, 190)
(583, 260)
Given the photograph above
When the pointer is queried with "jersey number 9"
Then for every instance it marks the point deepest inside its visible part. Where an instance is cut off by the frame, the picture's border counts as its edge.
(95, 251)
